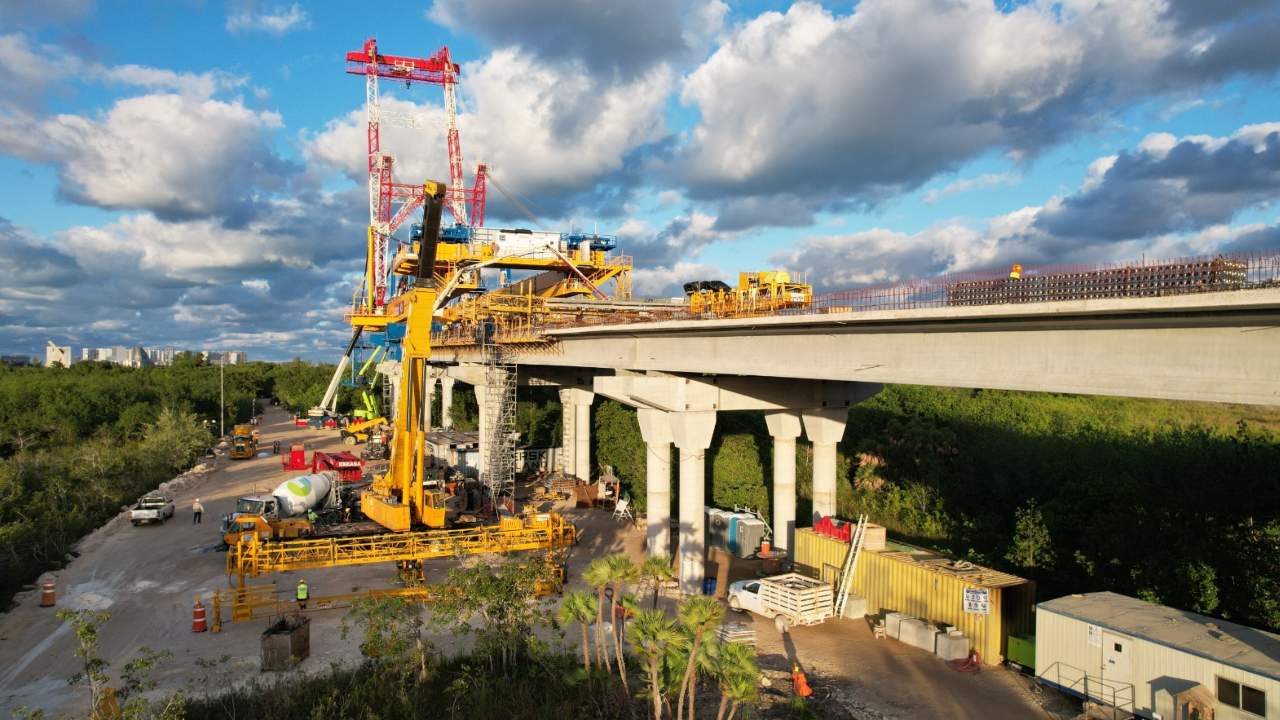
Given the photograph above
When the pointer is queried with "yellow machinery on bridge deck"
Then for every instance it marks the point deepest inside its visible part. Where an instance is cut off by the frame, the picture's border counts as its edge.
(757, 293)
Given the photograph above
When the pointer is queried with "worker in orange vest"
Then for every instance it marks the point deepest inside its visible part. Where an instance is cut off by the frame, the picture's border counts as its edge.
(799, 683)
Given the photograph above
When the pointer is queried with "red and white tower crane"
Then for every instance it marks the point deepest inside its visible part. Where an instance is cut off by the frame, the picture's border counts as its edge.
(439, 69)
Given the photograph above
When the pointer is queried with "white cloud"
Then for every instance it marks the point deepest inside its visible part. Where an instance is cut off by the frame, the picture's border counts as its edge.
(24, 79)
(830, 108)
(177, 155)
(276, 22)
(964, 185)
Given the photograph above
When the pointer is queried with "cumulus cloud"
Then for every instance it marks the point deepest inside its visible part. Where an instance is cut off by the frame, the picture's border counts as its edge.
(964, 185)
(627, 37)
(863, 106)
(277, 21)
(24, 81)
(277, 287)
(1169, 185)
(683, 237)
(178, 156)
(1167, 197)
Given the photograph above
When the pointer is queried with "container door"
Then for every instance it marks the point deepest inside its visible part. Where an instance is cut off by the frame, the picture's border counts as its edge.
(1117, 669)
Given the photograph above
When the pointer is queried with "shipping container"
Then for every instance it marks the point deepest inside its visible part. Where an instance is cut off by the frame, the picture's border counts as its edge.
(1157, 661)
(985, 604)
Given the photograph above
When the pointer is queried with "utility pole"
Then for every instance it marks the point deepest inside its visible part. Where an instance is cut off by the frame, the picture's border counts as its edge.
(222, 396)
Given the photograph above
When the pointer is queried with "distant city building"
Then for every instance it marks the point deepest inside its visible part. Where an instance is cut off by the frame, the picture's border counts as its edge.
(18, 360)
(57, 355)
(228, 357)
(161, 356)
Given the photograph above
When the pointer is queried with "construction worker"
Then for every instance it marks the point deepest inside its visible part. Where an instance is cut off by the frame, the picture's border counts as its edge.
(302, 594)
(197, 511)
(799, 683)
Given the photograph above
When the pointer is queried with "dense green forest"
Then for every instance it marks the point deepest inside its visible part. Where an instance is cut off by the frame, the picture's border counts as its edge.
(1173, 502)
(78, 444)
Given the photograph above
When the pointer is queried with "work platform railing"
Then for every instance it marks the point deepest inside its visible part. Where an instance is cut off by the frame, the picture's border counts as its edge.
(544, 531)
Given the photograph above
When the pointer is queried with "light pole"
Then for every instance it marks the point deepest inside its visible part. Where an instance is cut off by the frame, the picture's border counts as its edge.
(222, 397)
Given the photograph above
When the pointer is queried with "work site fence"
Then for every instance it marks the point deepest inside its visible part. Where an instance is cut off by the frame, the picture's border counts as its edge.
(1050, 283)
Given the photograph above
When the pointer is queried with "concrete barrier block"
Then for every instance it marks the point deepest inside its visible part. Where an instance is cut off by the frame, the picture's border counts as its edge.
(919, 634)
(892, 624)
(952, 647)
(855, 608)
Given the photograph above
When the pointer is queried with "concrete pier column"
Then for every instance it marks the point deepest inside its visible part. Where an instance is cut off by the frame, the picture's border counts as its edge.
(481, 396)
(582, 434)
(428, 394)
(655, 428)
(825, 427)
(691, 432)
(784, 426)
(446, 402)
(568, 433)
(575, 444)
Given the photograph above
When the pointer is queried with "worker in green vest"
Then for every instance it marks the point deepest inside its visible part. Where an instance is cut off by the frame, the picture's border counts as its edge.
(302, 594)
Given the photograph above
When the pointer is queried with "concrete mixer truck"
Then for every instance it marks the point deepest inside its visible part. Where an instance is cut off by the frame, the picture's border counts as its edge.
(288, 512)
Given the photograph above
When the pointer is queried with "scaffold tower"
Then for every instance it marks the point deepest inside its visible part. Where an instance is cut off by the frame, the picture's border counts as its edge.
(500, 409)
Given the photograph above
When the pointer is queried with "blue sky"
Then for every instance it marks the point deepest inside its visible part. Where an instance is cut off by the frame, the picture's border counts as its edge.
(189, 173)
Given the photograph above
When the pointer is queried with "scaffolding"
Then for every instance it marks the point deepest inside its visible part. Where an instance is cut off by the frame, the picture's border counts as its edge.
(499, 472)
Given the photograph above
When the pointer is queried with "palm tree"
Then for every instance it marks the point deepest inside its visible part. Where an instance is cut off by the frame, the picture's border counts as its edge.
(652, 634)
(621, 572)
(579, 606)
(656, 569)
(697, 614)
(736, 671)
(598, 576)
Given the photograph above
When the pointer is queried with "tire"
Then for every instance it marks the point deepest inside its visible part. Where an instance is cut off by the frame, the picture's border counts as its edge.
(782, 623)
(349, 440)
(136, 523)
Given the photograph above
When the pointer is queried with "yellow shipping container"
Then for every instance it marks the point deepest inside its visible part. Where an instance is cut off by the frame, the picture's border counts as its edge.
(916, 582)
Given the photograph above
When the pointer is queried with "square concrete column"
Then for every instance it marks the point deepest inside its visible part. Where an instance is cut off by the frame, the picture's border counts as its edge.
(825, 427)
(575, 404)
(655, 428)
(568, 433)
(428, 394)
(446, 402)
(691, 432)
(482, 406)
(784, 426)
(582, 436)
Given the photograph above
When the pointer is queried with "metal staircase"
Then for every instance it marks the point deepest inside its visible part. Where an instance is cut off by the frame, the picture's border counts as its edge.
(499, 475)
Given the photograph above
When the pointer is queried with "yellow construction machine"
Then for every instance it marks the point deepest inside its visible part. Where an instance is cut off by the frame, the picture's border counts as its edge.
(244, 442)
(757, 293)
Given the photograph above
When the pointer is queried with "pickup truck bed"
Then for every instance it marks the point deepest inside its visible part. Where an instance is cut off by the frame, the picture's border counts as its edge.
(153, 509)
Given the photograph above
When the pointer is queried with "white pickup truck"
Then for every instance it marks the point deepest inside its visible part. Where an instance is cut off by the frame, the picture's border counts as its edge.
(790, 599)
(151, 508)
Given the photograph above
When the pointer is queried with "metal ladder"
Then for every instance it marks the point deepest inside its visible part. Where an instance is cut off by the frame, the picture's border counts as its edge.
(500, 409)
(850, 566)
